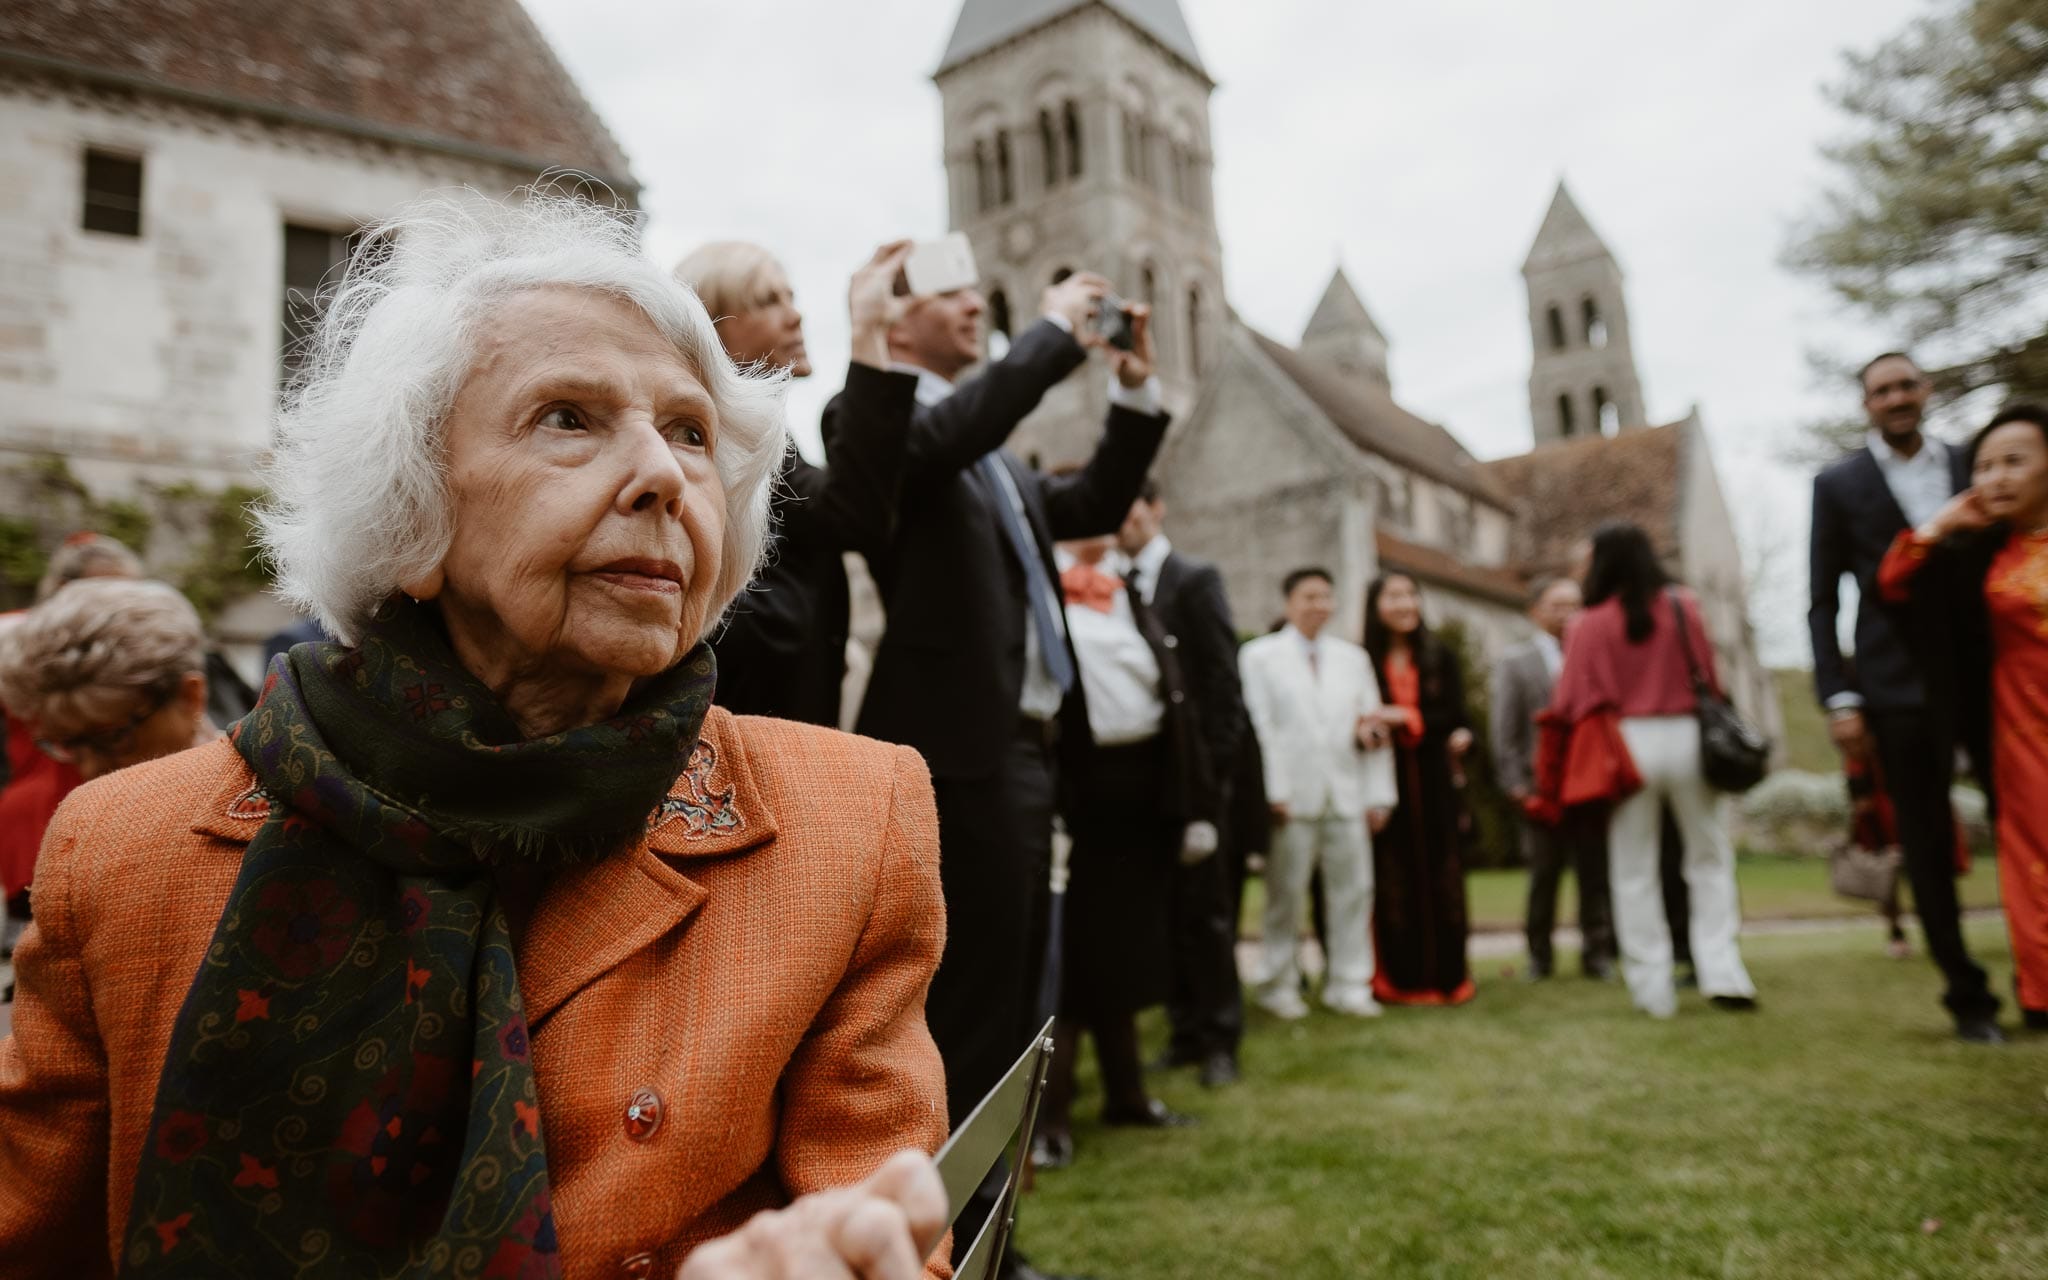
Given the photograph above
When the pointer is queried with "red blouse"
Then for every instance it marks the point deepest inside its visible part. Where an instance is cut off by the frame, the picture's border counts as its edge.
(1605, 671)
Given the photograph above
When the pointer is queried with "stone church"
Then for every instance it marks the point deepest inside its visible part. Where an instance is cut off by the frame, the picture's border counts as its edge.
(1077, 134)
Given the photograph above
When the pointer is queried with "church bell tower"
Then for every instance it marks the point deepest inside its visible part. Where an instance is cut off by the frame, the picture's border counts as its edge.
(1582, 380)
(1077, 137)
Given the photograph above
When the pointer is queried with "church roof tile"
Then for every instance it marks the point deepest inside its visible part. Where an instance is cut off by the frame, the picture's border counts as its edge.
(470, 76)
(1568, 489)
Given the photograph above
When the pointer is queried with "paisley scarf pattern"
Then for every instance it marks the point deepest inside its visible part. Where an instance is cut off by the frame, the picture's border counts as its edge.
(349, 1090)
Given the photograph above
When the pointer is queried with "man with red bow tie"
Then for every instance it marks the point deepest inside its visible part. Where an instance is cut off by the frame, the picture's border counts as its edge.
(1126, 819)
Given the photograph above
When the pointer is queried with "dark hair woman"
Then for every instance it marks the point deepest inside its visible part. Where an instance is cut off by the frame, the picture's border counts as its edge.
(1626, 657)
(1419, 917)
(1983, 562)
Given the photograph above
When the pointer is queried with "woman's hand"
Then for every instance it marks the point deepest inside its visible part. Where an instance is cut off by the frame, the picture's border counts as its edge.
(1461, 741)
(1963, 514)
(1376, 820)
(1371, 732)
(882, 1229)
(873, 305)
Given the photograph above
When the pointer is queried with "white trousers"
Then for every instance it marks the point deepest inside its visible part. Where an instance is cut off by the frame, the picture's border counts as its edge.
(1666, 750)
(1340, 845)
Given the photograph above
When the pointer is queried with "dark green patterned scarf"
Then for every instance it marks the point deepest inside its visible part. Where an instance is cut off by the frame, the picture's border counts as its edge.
(348, 1090)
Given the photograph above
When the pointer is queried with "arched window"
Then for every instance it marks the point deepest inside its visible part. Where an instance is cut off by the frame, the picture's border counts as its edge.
(998, 323)
(1049, 148)
(1177, 172)
(984, 179)
(1148, 286)
(1133, 144)
(1073, 114)
(1006, 184)
(1195, 330)
(1148, 141)
(1566, 426)
(1606, 412)
(1557, 338)
(1596, 325)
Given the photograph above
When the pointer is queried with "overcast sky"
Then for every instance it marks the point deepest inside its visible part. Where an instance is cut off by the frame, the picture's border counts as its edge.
(1418, 145)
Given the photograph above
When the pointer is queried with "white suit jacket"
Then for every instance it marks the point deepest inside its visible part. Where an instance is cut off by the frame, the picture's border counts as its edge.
(1307, 722)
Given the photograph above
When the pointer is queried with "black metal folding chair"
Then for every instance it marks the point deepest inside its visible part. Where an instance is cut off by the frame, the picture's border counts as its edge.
(1001, 1122)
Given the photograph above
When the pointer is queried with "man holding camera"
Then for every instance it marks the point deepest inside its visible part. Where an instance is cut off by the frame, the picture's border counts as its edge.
(975, 669)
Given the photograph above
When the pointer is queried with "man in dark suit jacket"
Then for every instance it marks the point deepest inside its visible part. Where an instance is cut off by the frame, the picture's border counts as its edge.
(975, 669)
(1200, 643)
(1860, 505)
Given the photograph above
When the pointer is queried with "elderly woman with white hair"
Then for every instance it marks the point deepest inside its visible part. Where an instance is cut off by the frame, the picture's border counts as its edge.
(485, 945)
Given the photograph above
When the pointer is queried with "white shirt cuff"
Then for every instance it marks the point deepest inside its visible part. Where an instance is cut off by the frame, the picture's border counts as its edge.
(1848, 700)
(1065, 325)
(1148, 399)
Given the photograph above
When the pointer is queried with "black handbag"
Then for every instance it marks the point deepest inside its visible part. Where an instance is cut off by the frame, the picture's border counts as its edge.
(1734, 756)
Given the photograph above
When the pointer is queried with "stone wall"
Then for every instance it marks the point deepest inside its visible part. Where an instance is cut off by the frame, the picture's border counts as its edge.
(1712, 566)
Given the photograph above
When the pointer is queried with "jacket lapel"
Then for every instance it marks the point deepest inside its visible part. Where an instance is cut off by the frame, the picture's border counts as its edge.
(1873, 479)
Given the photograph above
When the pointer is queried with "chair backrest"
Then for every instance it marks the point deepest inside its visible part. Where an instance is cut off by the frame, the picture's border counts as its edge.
(1002, 1122)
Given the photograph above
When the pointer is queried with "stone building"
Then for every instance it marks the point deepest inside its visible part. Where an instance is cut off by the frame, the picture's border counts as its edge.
(1076, 133)
(1077, 136)
(180, 178)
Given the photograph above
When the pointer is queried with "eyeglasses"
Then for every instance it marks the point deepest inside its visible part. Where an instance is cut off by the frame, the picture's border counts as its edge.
(107, 744)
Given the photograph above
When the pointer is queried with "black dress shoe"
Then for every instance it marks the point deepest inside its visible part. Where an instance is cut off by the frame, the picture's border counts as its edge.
(1734, 1004)
(2034, 1019)
(1979, 1031)
(1155, 1115)
(1052, 1150)
(1218, 1070)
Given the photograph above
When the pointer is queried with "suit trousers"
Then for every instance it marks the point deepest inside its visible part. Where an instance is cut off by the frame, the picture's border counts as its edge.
(995, 870)
(1666, 750)
(1206, 1008)
(1579, 845)
(1337, 844)
(1918, 775)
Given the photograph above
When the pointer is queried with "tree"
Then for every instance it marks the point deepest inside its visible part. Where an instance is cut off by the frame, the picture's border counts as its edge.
(1939, 223)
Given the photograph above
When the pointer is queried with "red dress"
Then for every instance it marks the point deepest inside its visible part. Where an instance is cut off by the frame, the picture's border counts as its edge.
(36, 785)
(2016, 599)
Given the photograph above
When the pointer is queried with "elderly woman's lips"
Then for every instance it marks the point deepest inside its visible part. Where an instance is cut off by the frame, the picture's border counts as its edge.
(661, 577)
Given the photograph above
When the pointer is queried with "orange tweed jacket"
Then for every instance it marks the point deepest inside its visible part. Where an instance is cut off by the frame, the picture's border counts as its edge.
(755, 971)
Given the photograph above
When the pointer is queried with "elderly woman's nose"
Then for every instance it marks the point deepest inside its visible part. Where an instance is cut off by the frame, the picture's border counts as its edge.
(655, 479)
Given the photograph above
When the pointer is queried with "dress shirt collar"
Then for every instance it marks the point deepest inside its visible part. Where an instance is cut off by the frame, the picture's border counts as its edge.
(1151, 558)
(1301, 638)
(931, 388)
(1932, 452)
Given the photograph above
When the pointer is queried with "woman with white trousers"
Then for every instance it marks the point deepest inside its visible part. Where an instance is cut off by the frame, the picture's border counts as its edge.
(1625, 657)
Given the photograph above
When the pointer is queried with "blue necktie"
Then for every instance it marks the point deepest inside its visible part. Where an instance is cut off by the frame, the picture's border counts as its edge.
(1052, 639)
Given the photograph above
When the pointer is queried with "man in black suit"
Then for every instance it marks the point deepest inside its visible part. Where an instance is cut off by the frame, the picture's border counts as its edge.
(975, 669)
(1200, 643)
(1860, 504)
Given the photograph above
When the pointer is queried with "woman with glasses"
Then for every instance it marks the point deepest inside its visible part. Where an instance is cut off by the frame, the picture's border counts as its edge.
(107, 673)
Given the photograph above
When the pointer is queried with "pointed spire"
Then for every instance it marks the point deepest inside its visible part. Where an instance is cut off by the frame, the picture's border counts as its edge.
(1341, 313)
(1342, 332)
(1565, 236)
(984, 24)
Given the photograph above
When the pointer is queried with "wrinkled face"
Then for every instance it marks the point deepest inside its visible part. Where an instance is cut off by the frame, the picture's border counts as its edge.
(2011, 478)
(943, 333)
(121, 727)
(1145, 522)
(1895, 397)
(771, 331)
(1311, 605)
(1400, 606)
(589, 517)
(1561, 602)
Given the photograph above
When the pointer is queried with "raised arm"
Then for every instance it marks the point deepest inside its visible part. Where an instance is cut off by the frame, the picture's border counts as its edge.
(947, 437)
(852, 505)
(53, 1092)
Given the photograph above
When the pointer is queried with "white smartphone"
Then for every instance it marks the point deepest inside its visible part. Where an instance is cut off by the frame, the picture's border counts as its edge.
(941, 266)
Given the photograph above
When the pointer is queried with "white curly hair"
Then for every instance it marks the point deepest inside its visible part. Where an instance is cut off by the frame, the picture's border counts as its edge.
(357, 478)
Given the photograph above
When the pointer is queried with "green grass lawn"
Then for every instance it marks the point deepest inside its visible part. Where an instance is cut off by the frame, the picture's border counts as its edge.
(1773, 888)
(1550, 1132)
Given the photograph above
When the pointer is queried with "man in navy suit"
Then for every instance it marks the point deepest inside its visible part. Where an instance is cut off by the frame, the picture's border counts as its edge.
(1860, 504)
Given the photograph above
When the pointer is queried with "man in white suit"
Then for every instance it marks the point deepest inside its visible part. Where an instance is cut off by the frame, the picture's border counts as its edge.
(1315, 706)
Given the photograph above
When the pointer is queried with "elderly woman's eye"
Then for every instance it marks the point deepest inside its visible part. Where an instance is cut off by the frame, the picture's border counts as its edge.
(690, 433)
(563, 418)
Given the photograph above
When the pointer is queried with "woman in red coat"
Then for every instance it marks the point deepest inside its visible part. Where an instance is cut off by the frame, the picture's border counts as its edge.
(1988, 550)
